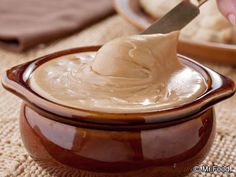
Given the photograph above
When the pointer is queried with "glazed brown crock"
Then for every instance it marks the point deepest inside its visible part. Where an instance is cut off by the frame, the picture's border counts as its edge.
(75, 141)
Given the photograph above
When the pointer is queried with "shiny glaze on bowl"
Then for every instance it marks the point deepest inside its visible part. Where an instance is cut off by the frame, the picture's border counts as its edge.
(169, 151)
(161, 143)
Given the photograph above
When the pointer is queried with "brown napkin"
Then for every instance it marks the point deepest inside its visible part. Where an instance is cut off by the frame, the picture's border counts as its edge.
(26, 23)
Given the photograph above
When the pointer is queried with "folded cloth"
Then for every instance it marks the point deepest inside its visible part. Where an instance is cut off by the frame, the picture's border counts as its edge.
(26, 23)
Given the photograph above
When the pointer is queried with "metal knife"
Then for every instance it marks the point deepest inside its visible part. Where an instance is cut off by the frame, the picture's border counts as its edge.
(177, 18)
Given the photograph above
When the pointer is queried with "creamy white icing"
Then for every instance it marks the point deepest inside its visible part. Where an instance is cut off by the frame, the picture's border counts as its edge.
(130, 74)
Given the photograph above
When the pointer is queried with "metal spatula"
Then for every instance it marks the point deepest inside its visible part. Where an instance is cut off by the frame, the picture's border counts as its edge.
(177, 18)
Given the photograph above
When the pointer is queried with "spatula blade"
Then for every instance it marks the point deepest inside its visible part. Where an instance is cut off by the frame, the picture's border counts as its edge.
(174, 20)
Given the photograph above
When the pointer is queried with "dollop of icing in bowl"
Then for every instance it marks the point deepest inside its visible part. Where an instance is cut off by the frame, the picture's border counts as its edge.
(127, 75)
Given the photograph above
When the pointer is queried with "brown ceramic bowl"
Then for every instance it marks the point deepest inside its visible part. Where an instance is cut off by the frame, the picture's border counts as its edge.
(161, 143)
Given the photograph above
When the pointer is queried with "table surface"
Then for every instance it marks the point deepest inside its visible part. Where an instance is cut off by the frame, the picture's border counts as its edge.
(14, 160)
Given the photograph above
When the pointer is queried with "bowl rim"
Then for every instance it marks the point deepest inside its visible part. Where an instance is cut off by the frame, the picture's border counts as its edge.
(15, 81)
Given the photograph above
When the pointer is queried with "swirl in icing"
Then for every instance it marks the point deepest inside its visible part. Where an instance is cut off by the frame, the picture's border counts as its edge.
(127, 75)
